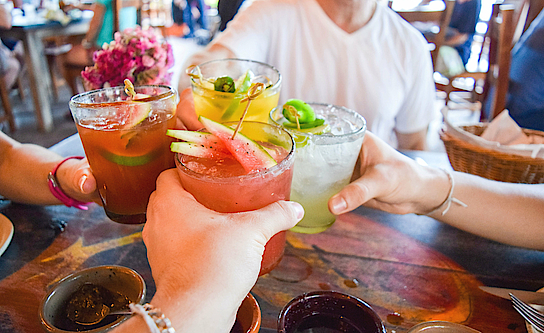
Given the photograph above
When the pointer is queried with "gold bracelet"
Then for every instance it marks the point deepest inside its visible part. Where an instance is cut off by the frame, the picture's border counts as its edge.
(153, 317)
(450, 197)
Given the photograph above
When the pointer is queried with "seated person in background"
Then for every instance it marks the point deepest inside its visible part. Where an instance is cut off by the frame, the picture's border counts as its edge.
(9, 65)
(24, 169)
(462, 27)
(390, 181)
(354, 53)
(227, 9)
(100, 31)
(525, 98)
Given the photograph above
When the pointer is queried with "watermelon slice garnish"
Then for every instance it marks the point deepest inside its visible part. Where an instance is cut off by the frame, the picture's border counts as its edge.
(251, 155)
(219, 144)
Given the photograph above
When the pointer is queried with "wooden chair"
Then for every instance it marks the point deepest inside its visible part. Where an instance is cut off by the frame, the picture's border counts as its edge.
(6, 103)
(502, 29)
(427, 13)
(492, 74)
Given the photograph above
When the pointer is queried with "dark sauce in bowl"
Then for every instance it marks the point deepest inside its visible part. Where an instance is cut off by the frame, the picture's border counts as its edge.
(85, 303)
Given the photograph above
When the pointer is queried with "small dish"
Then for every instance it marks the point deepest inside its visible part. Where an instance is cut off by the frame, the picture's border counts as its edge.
(6, 233)
(329, 310)
(438, 326)
(116, 279)
(248, 318)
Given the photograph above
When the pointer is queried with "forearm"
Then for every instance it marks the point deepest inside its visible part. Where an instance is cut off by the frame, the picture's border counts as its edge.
(23, 173)
(505, 212)
(187, 313)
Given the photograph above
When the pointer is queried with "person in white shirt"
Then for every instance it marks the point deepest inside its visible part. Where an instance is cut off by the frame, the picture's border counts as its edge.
(355, 53)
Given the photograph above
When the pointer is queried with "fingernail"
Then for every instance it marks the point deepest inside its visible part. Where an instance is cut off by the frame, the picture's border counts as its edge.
(82, 182)
(299, 210)
(338, 205)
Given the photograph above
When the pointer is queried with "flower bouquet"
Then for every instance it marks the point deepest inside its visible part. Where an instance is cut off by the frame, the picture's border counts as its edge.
(140, 55)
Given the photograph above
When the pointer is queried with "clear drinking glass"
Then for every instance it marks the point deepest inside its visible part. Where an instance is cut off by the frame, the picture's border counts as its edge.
(324, 161)
(126, 144)
(223, 106)
(227, 188)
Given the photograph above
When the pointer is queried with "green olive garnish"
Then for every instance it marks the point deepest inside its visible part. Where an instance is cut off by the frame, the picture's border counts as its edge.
(224, 84)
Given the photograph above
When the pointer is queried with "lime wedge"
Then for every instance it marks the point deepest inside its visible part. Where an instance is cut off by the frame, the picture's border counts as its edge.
(129, 160)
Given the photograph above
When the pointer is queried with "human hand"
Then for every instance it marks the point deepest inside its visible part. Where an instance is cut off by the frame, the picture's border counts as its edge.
(392, 182)
(199, 256)
(77, 180)
(185, 112)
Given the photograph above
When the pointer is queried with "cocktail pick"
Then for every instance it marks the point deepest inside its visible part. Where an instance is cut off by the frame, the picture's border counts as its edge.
(293, 111)
(252, 93)
(189, 71)
(129, 89)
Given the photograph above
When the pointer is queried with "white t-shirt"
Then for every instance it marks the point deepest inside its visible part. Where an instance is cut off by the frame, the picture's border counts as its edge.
(383, 70)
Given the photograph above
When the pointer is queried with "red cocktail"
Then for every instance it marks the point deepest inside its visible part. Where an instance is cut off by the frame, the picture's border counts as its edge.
(126, 144)
(224, 186)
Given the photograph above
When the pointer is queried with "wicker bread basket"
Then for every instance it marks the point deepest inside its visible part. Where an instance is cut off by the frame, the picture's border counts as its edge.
(487, 163)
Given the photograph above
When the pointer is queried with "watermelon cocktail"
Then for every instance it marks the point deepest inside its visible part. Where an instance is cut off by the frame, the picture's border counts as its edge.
(126, 144)
(219, 86)
(260, 175)
(328, 140)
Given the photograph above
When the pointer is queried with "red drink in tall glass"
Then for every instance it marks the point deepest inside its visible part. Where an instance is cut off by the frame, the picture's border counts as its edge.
(126, 155)
(224, 186)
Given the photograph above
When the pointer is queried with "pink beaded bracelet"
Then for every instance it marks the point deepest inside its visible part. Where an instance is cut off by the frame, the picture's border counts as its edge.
(56, 190)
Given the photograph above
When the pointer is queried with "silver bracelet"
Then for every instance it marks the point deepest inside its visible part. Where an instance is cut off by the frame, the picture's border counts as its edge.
(153, 317)
(450, 197)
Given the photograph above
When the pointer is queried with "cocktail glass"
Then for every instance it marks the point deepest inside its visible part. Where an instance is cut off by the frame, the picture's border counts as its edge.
(126, 155)
(224, 106)
(223, 185)
(324, 161)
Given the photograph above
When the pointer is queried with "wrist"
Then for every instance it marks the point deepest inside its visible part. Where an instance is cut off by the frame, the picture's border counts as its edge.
(196, 312)
(435, 189)
(58, 192)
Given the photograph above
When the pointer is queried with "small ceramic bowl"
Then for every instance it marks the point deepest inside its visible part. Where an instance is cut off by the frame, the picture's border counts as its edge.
(122, 280)
(329, 310)
(438, 326)
(248, 318)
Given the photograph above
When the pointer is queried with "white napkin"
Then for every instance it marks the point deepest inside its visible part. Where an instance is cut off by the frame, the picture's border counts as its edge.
(503, 134)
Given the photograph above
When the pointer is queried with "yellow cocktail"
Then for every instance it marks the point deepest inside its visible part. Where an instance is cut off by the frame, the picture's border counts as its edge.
(223, 102)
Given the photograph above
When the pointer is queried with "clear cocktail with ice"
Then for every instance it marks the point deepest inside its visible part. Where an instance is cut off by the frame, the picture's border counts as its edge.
(324, 160)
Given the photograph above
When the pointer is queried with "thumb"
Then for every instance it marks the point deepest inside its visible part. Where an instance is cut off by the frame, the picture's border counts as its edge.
(357, 193)
(276, 217)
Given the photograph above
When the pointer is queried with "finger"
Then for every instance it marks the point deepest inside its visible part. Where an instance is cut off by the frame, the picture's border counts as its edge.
(276, 217)
(186, 111)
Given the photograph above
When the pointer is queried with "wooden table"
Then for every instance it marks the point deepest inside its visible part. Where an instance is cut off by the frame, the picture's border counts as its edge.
(409, 268)
(31, 30)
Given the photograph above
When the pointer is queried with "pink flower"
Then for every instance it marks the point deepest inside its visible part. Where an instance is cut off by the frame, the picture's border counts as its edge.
(140, 55)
